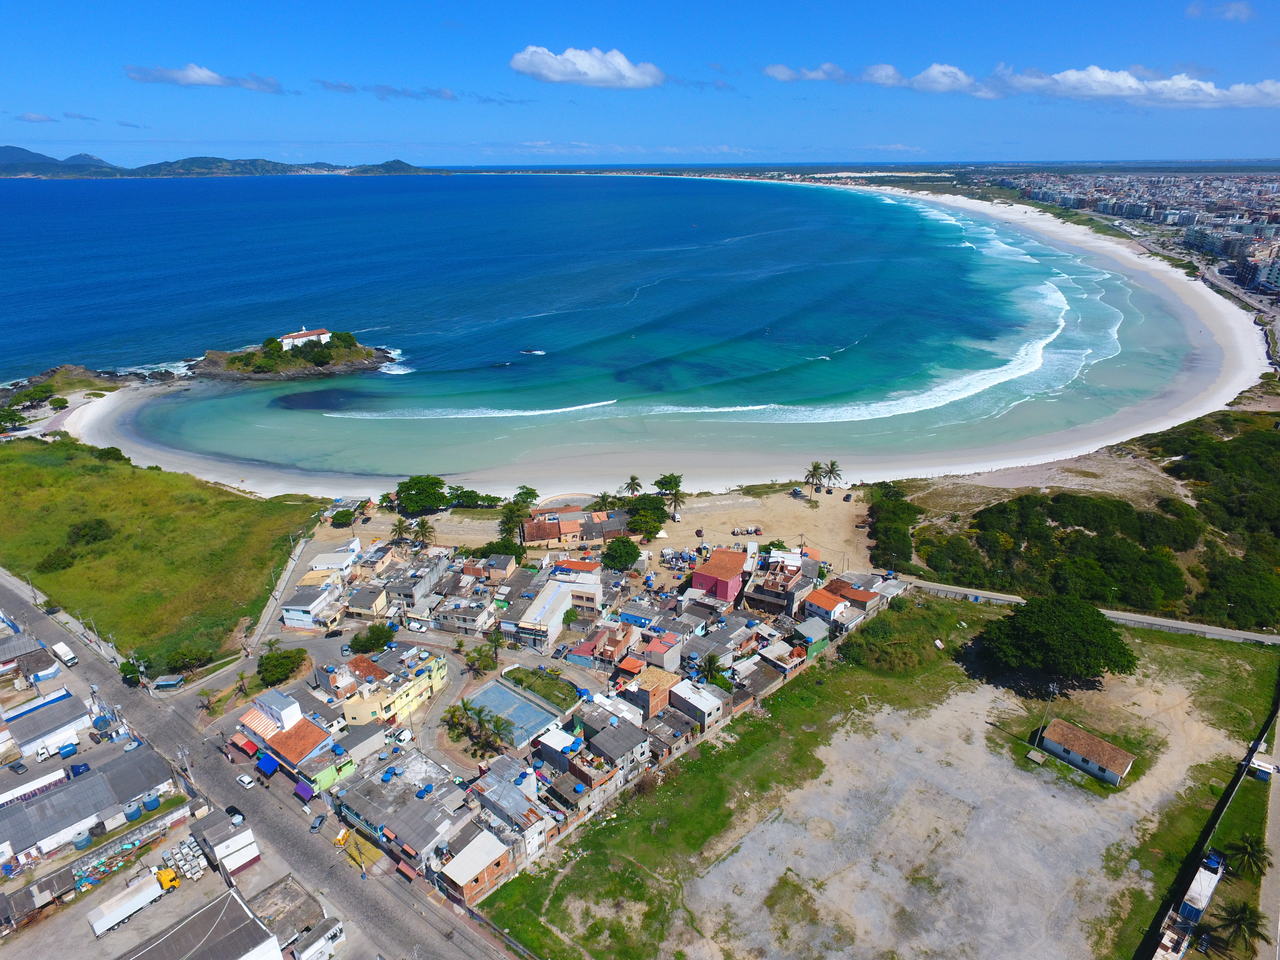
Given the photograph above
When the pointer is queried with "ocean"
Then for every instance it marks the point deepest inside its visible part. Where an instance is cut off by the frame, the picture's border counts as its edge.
(559, 318)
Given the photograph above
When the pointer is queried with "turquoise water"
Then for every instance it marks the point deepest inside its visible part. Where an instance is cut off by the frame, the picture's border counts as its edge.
(545, 317)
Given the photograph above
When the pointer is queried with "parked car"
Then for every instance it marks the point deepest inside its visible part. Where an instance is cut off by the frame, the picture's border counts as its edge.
(830, 491)
(51, 610)
(346, 649)
(318, 822)
(365, 519)
(93, 735)
(236, 815)
(675, 517)
(560, 651)
(333, 634)
(18, 767)
(245, 781)
(848, 498)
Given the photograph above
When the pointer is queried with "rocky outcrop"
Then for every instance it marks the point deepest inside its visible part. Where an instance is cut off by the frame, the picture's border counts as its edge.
(213, 366)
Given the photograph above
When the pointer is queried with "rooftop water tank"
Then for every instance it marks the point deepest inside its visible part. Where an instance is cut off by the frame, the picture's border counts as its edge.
(151, 801)
(429, 787)
(579, 788)
(132, 811)
(82, 840)
(386, 776)
(101, 723)
(421, 793)
(613, 721)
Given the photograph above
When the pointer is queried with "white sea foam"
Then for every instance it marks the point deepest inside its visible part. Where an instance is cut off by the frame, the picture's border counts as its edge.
(476, 413)
(181, 368)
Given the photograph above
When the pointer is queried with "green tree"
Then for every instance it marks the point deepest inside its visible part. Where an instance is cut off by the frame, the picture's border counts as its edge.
(59, 403)
(400, 529)
(242, 682)
(620, 554)
(504, 547)
(831, 472)
(10, 418)
(343, 518)
(372, 639)
(1059, 637)
(1249, 855)
(481, 660)
(278, 666)
(206, 696)
(273, 645)
(570, 617)
(633, 486)
(129, 673)
(713, 670)
(272, 345)
(421, 494)
(677, 499)
(512, 516)
(343, 339)
(525, 495)
(773, 545)
(1241, 924)
(813, 476)
(648, 513)
(668, 484)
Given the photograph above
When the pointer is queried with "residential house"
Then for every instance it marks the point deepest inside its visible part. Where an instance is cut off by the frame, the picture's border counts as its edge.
(859, 598)
(721, 575)
(509, 792)
(664, 651)
(374, 561)
(651, 690)
(285, 735)
(825, 605)
(367, 693)
(703, 702)
(369, 603)
(549, 530)
(622, 744)
(814, 635)
(312, 607)
(670, 734)
(782, 585)
(614, 641)
(1086, 752)
(481, 864)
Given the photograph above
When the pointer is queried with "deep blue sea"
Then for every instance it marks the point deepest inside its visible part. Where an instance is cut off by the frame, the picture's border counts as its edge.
(561, 317)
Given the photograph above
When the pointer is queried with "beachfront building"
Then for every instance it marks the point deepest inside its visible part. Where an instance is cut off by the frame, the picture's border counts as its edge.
(721, 576)
(319, 335)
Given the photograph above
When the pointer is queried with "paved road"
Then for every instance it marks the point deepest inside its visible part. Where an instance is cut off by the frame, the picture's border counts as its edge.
(1123, 617)
(394, 916)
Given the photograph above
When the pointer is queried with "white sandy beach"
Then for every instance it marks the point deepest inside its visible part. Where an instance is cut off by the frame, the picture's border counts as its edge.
(1225, 330)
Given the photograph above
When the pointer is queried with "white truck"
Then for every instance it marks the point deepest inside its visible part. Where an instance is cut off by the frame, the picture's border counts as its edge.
(140, 892)
(63, 653)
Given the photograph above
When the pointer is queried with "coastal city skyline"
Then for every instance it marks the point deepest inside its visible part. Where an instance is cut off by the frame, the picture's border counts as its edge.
(663, 85)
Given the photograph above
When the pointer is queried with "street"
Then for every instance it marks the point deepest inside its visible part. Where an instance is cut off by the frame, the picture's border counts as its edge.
(376, 906)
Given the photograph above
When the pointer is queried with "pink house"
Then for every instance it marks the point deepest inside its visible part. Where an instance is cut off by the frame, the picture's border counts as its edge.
(721, 575)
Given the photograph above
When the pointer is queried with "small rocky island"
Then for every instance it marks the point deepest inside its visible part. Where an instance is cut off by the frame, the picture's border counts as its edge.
(294, 356)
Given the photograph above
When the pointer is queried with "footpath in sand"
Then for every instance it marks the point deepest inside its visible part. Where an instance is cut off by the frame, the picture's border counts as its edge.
(920, 840)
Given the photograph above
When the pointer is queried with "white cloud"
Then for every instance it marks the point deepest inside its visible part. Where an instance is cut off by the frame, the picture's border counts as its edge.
(936, 78)
(1179, 90)
(1240, 11)
(784, 74)
(194, 75)
(35, 118)
(589, 68)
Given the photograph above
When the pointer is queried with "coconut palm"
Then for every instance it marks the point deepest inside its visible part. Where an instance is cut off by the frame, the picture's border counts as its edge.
(400, 529)
(241, 677)
(273, 645)
(1249, 855)
(677, 498)
(206, 697)
(424, 531)
(831, 472)
(711, 666)
(1241, 924)
(813, 476)
(633, 486)
(604, 501)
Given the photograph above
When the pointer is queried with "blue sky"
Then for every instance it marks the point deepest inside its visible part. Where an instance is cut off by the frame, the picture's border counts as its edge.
(607, 82)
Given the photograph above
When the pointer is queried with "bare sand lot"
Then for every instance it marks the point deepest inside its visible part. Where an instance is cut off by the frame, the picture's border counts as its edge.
(923, 840)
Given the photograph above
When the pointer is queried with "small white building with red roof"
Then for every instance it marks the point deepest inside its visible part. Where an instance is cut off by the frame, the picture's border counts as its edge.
(291, 340)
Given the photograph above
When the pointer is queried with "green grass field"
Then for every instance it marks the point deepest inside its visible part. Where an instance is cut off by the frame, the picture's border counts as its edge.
(183, 562)
(557, 692)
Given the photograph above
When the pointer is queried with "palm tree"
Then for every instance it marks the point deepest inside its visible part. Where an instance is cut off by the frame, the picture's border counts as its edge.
(633, 486)
(677, 499)
(241, 677)
(711, 666)
(831, 472)
(1249, 855)
(495, 641)
(400, 529)
(424, 531)
(603, 501)
(501, 730)
(273, 645)
(206, 698)
(1241, 924)
(813, 476)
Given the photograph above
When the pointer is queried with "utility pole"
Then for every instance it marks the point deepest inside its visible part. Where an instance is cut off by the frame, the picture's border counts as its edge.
(1053, 692)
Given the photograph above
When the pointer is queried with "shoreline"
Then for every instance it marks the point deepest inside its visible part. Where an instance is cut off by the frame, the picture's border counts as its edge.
(1229, 328)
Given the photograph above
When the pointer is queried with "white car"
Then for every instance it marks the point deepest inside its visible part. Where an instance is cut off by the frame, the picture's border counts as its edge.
(675, 517)
(245, 780)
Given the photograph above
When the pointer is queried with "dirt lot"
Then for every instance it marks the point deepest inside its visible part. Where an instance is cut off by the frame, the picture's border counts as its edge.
(829, 527)
(921, 840)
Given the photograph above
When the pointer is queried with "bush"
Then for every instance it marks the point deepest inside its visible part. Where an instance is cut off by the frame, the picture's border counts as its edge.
(505, 548)
(1059, 637)
(343, 518)
(59, 558)
(375, 638)
(59, 403)
(110, 454)
(276, 667)
(84, 532)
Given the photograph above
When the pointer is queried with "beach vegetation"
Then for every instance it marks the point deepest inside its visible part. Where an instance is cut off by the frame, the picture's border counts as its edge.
(277, 666)
(272, 357)
(10, 418)
(620, 554)
(670, 485)
(59, 403)
(1060, 638)
(424, 531)
(525, 495)
(472, 499)
(892, 516)
(32, 397)
(343, 518)
(421, 494)
(174, 563)
(633, 486)
(510, 520)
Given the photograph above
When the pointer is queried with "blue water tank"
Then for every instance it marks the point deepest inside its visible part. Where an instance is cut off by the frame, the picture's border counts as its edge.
(613, 721)
(421, 793)
(395, 750)
(537, 764)
(430, 787)
(386, 776)
(338, 750)
(82, 840)
(151, 801)
(420, 671)
(579, 788)
(584, 692)
(101, 723)
(566, 751)
(132, 811)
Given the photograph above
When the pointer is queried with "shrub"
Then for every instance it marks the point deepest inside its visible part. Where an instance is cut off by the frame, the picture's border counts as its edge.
(343, 518)
(375, 638)
(276, 667)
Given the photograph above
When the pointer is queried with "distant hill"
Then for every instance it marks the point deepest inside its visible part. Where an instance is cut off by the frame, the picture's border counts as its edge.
(20, 162)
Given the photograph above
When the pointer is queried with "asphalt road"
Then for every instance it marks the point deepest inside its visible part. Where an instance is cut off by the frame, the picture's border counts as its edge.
(394, 916)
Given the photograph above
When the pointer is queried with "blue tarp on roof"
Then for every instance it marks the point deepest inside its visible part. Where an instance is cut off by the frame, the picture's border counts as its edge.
(268, 764)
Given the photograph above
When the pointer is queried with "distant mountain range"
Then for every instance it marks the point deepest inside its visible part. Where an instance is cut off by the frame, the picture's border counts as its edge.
(20, 162)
